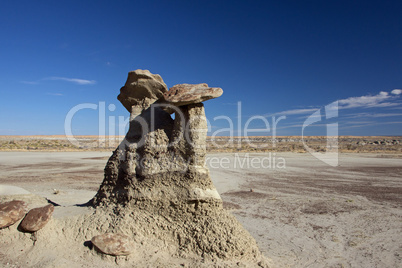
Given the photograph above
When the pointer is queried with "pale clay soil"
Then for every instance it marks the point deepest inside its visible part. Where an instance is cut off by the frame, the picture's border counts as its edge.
(302, 212)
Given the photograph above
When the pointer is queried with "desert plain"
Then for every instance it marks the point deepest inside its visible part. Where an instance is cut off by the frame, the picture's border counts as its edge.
(301, 211)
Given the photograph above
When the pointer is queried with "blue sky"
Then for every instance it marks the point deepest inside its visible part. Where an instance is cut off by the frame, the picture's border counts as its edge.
(277, 58)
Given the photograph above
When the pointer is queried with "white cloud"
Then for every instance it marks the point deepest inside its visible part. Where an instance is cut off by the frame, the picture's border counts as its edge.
(30, 82)
(368, 101)
(73, 80)
(386, 115)
(297, 111)
(230, 103)
(381, 100)
(367, 124)
(54, 94)
(396, 91)
(357, 122)
(359, 115)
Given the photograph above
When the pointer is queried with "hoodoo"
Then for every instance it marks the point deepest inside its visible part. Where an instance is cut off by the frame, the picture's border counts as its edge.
(157, 179)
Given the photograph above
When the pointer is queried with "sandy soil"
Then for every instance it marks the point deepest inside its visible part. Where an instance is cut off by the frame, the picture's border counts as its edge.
(302, 212)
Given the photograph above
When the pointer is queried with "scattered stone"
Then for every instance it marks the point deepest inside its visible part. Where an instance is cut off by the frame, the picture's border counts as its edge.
(113, 244)
(184, 94)
(37, 218)
(142, 88)
(11, 212)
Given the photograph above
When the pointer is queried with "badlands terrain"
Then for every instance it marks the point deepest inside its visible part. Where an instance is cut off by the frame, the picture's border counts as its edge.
(301, 212)
(352, 144)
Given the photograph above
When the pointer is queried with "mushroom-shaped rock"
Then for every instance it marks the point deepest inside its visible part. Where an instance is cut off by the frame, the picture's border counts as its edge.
(11, 212)
(113, 244)
(142, 88)
(37, 218)
(184, 94)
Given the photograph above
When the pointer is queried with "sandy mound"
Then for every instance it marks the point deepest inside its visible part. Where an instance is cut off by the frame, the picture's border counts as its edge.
(180, 236)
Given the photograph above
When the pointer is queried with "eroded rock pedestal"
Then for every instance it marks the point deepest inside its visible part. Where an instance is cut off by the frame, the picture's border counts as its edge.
(161, 160)
(157, 181)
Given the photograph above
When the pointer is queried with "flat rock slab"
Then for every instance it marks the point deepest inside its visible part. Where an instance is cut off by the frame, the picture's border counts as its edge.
(113, 244)
(11, 212)
(37, 218)
(184, 94)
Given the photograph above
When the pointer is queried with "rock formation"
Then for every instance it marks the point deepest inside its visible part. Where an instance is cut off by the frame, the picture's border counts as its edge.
(11, 212)
(37, 218)
(184, 94)
(157, 181)
(161, 159)
(113, 244)
(141, 89)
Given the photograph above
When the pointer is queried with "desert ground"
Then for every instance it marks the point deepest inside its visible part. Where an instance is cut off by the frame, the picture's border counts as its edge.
(302, 212)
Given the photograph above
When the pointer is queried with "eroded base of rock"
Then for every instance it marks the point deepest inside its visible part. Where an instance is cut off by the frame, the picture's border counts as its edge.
(190, 235)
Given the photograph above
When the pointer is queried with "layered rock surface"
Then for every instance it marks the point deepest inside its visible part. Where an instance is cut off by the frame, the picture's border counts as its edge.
(184, 94)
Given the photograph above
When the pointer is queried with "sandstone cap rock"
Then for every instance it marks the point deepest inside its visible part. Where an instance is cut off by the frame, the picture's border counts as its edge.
(184, 94)
(11, 212)
(113, 244)
(142, 88)
(37, 218)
